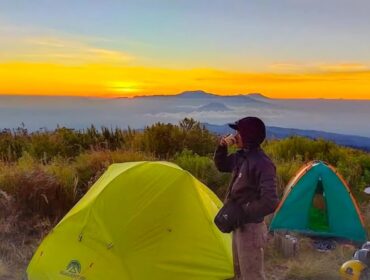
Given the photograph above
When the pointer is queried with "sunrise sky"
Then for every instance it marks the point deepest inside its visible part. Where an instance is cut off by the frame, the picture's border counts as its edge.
(282, 49)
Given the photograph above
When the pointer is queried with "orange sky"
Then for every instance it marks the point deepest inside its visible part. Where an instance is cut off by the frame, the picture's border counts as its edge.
(104, 80)
(282, 49)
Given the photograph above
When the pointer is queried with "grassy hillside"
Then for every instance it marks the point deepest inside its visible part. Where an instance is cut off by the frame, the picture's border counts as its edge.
(43, 174)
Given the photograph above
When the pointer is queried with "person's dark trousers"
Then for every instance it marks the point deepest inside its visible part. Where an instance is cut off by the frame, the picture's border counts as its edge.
(248, 251)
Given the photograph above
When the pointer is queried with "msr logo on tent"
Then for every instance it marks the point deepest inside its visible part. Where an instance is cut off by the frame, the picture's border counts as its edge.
(74, 267)
(73, 270)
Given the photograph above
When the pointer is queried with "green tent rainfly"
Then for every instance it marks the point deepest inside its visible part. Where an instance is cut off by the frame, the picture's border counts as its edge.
(318, 202)
(139, 221)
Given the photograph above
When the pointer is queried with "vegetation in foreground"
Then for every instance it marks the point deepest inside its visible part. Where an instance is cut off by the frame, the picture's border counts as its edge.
(44, 173)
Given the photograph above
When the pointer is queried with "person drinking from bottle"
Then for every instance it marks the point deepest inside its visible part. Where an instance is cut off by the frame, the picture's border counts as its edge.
(250, 197)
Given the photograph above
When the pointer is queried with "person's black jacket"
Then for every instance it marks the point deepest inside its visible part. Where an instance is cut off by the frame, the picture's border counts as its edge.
(253, 183)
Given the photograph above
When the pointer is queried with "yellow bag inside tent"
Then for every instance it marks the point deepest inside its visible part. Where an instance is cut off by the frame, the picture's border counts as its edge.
(139, 221)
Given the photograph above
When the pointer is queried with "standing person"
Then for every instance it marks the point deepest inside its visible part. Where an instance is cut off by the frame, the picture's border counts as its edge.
(251, 196)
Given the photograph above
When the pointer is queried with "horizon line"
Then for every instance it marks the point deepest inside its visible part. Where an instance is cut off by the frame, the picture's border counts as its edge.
(177, 94)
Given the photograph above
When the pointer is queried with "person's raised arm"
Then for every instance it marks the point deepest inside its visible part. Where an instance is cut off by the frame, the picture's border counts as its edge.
(223, 161)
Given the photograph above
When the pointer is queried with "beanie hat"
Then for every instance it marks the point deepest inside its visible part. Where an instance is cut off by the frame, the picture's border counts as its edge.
(251, 129)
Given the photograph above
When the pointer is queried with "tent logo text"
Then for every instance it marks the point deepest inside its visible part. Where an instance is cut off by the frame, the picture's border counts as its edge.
(73, 270)
(74, 267)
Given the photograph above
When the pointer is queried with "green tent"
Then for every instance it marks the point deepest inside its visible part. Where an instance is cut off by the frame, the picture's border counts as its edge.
(139, 221)
(318, 202)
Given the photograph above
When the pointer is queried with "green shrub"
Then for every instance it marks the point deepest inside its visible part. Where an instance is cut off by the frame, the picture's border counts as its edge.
(204, 169)
(69, 161)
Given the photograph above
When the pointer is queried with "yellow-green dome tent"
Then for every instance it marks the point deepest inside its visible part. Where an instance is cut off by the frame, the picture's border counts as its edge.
(139, 221)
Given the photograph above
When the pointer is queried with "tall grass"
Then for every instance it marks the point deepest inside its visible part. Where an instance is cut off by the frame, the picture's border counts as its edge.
(51, 189)
(43, 175)
(35, 194)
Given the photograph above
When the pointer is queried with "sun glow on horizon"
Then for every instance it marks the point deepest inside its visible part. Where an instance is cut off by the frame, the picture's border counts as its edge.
(101, 80)
(127, 87)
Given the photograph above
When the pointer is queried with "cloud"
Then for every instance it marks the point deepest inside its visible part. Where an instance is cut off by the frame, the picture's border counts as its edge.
(73, 51)
(317, 67)
(218, 117)
(51, 46)
(287, 66)
(345, 67)
(105, 54)
(48, 42)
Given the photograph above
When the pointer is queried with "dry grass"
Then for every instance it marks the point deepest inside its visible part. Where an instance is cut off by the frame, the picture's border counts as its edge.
(366, 215)
(34, 196)
(17, 249)
(50, 190)
(24, 218)
(18, 241)
(3, 271)
(309, 264)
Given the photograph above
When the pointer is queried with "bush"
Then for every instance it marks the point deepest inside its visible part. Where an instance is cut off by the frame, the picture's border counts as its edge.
(35, 192)
(70, 161)
(204, 169)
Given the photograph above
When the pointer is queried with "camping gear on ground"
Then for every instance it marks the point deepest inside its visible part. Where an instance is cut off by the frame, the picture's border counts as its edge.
(140, 220)
(366, 245)
(318, 202)
(358, 267)
(286, 244)
(354, 270)
(324, 245)
(362, 255)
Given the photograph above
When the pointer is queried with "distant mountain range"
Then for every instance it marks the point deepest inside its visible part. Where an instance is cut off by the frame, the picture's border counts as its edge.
(273, 132)
(195, 94)
(201, 96)
(336, 117)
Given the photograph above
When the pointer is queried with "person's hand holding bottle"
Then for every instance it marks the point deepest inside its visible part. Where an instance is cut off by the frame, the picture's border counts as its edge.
(228, 140)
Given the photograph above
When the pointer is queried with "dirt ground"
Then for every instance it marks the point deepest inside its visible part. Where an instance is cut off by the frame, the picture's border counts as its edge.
(308, 264)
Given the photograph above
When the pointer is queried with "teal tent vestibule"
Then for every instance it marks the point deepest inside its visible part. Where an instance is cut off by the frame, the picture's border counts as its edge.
(318, 202)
